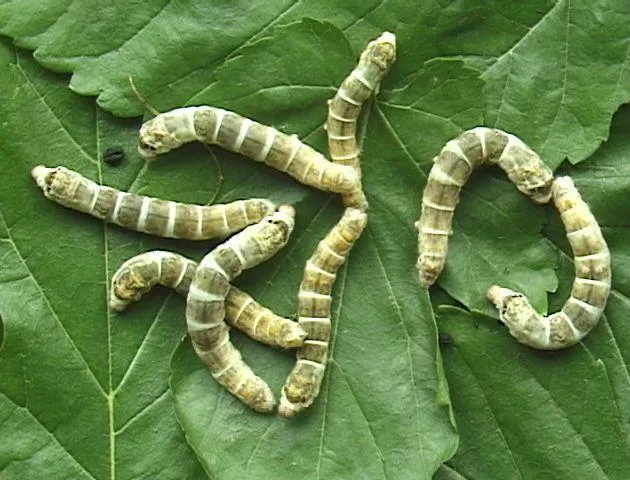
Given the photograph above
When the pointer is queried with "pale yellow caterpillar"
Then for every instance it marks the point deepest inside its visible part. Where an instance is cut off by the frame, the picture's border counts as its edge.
(146, 214)
(591, 285)
(234, 133)
(140, 274)
(205, 305)
(344, 108)
(451, 170)
(314, 302)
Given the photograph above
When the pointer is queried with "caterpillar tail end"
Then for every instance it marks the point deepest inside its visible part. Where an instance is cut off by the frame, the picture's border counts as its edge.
(265, 401)
(427, 274)
(427, 279)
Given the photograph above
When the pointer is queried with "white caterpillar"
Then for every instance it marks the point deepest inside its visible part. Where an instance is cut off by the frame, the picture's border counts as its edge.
(314, 301)
(140, 274)
(234, 133)
(205, 305)
(450, 172)
(344, 108)
(591, 286)
(146, 214)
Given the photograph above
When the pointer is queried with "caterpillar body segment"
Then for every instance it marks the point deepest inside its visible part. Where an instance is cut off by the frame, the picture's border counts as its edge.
(452, 169)
(141, 273)
(591, 285)
(147, 214)
(205, 305)
(314, 310)
(260, 323)
(238, 134)
(345, 107)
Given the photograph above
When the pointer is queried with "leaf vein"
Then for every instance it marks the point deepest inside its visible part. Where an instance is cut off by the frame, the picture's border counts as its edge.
(49, 306)
(399, 314)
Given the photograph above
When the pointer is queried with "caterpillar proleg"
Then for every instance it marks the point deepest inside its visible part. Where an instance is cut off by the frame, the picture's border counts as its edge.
(314, 302)
(205, 305)
(141, 273)
(450, 172)
(146, 214)
(234, 133)
(591, 285)
(344, 108)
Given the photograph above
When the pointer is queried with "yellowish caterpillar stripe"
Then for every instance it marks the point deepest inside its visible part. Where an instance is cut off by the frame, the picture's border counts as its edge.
(140, 274)
(450, 172)
(234, 133)
(146, 214)
(314, 302)
(344, 108)
(205, 305)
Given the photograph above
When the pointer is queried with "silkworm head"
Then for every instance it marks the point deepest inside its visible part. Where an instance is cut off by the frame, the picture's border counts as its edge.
(280, 225)
(540, 192)
(382, 51)
(300, 390)
(514, 308)
(154, 139)
(59, 184)
(532, 177)
(500, 296)
(128, 285)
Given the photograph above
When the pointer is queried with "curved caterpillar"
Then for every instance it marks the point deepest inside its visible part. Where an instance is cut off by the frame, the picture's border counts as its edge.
(591, 285)
(147, 214)
(205, 305)
(234, 133)
(344, 108)
(141, 273)
(451, 170)
(314, 301)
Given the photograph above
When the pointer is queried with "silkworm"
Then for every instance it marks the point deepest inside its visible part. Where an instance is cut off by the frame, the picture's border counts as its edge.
(451, 170)
(344, 108)
(591, 285)
(205, 305)
(314, 302)
(234, 133)
(140, 274)
(114, 155)
(147, 214)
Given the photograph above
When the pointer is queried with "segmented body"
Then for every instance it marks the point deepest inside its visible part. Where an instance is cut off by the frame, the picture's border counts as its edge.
(450, 172)
(314, 302)
(345, 107)
(146, 214)
(205, 305)
(591, 286)
(261, 143)
(140, 274)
